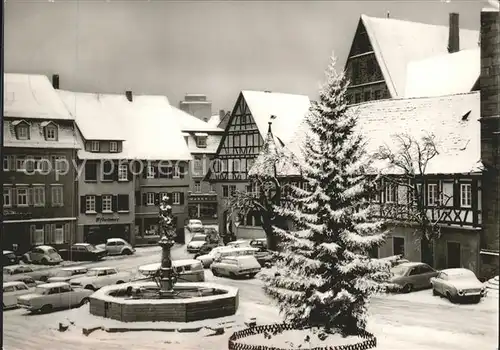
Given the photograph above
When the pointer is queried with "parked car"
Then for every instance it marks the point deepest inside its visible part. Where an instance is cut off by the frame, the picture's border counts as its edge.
(235, 266)
(206, 248)
(119, 246)
(395, 260)
(413, 275)
(12, 290)
(66, 274)
(50, 296)
(196, 243)
(187, 270)
(83, 252)
(42, 254)
(208, 259)
(264, 257)
(195, 225)
(98, 277)
(9, 258)
(238, 243)
(38, 275)
(27, 280)
(458, 284)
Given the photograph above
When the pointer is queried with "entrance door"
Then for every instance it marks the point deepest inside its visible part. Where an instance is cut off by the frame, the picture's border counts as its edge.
(426, 252)
(453, 255)
(398, 246)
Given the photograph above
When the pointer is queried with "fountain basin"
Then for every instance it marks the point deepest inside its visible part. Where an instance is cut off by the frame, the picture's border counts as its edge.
(215, 301)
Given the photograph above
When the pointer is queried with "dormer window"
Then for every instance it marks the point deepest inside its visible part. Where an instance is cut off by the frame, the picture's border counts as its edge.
(113, 146)
(22, 129)
(94, 146)
(50, 131)
(201, 140)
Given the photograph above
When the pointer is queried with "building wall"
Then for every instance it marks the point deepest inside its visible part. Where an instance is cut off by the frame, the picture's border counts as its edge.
(19, 232)
(198, 106)
(99, 188)
(490, 139)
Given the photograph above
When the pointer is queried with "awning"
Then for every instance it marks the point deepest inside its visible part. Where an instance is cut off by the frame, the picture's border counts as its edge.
(200, 134)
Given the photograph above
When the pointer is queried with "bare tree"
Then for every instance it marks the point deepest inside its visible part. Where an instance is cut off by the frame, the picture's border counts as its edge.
(407, 164)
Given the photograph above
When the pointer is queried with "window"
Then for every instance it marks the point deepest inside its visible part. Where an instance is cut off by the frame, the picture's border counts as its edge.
(59, 234)
(90, 171)
(107, 203)
(20, 163)
(357, 97)
(57, 195)
(368, 95)
(232, 189)
(212, 187)
(7, 197)
(377, 95)
(38, 237)
(198, 166)
(21, 287)
(432, 194)
(6, 163)
(113, 146)
(398, 246)
(22, 197)
(176, 198)
(447, 194)
(65, 289)
(390, 193)
(123, 172)
(177, 172)
(150, 172)
(201, 141)
(90, 204)
(197, 186)
(465, 195)
(23, 132)
(38, 196)
(51, 133)
(94, 146)
(60, 163)
(225, 191)
(150, 198)
(123, 202)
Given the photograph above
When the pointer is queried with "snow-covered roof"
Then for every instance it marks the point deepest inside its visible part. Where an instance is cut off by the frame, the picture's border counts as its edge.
(147, 125)
(452, 119)
(444, 74)
(214, 120)
(190, 123)
(66, 138)
(32, 96)
(93, 119)
(289, 110)
(397, 42)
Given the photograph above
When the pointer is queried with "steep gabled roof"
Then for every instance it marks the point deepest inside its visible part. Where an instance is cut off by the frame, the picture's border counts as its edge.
(289, 110)
(444, 74)
(149, 129)
(453, 119)
(32, 96)
(396, 43)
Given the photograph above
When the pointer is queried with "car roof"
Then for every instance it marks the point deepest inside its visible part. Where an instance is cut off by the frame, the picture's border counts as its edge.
(75, 268)
(456, 271)
(12, 283)
(238, 249)
(116, 240)
(83, 244)
(8, 252)
(53, 285)
(44, 247)
(240, 257)
(102, 268)
(411, 264)
(195, 220)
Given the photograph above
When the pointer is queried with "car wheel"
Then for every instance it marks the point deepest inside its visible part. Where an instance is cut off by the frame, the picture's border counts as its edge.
(84, 301)
(44, 261)
(46, 309)
(434, 292)
(127, 252)
(407, 288)
(215, 273)
(89, 287)
(120, 282)
(232, 275)
(450, 297)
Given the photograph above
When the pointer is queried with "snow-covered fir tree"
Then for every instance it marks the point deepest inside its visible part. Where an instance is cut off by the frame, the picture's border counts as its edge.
(325, 275)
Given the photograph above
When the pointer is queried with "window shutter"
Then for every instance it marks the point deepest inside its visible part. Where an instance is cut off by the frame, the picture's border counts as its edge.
(170, 172)
(130, 175)
(125, 199)
(52, 232)
(114, 203)
(144, 199)
(12, 163)
(157, 198)
(67, 232)
(181, 171)
(30, 196)
(32, 234)
(98, 204)
(170, 198)
(83, 204)
(181, 195)
(115, 172)
(46, 234)
(13, 197)
(145, 172)
(157, 171)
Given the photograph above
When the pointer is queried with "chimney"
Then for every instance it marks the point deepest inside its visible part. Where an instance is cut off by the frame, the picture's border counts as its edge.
(222, 114)
(55, 81)
(454, 34)
(128, 94)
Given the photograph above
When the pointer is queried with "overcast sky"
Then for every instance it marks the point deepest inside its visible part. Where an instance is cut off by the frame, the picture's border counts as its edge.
(215, 48)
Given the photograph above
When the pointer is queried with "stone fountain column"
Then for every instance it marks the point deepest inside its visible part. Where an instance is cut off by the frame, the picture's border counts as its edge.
(167, 233)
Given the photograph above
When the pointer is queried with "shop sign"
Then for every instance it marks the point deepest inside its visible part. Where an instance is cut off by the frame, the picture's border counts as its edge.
(9, 214)
(100, 218)
(202, 198)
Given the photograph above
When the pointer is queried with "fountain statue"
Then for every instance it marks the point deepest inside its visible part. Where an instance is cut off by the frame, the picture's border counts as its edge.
(166, 274)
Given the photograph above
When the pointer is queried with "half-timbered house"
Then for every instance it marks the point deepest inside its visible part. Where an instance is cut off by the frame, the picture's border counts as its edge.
(242, 142)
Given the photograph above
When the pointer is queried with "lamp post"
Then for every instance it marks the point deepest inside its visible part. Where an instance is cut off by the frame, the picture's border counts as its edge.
(167, 233)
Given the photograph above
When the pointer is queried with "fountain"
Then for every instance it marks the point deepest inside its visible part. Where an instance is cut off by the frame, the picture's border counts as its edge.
(163, 299)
